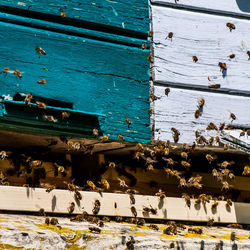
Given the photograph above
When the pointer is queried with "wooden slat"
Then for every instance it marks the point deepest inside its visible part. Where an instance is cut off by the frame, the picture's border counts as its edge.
(205, 36)
(27, 199)
(132, 15)
(177, 110)
(226, 7)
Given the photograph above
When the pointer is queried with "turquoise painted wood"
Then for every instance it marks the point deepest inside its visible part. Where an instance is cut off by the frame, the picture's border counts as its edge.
(127, 15)
(100, 74)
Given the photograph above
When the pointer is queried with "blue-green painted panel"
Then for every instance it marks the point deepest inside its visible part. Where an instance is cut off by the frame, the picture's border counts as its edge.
(123, 14)
(95, 76)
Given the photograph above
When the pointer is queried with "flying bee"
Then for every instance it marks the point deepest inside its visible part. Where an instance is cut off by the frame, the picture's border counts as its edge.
(97, 206)
(197, 113)
(230, 26)
(232, 56)
(246, 170)
(91, 185)
(133, 211)
(95, 132)
(40, 51)
(169, 161)
(195, 59)
(210, 158)
(185, 164)
(28, 98)
(187, 199)
(63, 14)
(225, 164)
(105, 183)
(122, 183)
(184, 155)
(183, 183)
(214, 86)
(223, 66)
(160, 194)
(231, 176)
(139, 147)
(166, 151)
(35, 164)
(71, 207)
(3, 155)
(41, 105)
(17, 73)
(6, 70)
(104, 138)
(170, 35)
(248, 53)
(225, 186)
(65, 115)
(120, 138)
(197, 185)
(211, 126)
(150, 167)
(42, 81)
(50, 118)
(77, 195)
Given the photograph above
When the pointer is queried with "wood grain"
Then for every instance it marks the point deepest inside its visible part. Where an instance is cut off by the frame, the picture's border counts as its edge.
(208, 38)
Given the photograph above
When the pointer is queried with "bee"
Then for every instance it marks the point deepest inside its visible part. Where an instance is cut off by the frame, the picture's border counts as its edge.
(71, 207)
(146, 210)
(112, 165)
(246, 170)
(17, 73)
(42, 81)
(105, 183)
(225, 186)
(211, 126)
(183, 183)
(6, 70)
(150, 58)
(40, 51)
(248, 53)
(104, 138)
(187, 199)
(222, 126)
(197, 185)
(230, 26)
(214, 86)
(150, 33)
(233, 236)
(160, 194)
(154, 227)
(185, 164)
(217, 139)
(122, 183)
(150, 111)
(231, 176)
(41, 105)
(223, 66)
(139, 147)
(150, 167)
(201, 103)
(214, 205)
(65, 115)
(130, 243)
(70, 185)
(229, 202)
(97, 206)
(28, 98)
(232, 116)
(210, 222)
(236, 226)
(197, 113)
(242, 133)
(91, 185)
(167, 90)
(120, 138)
(210, 158)
(153, 210)
(232, 56)
(54, 221)
(95, 132)
(63, 14)
(47, 221)
(95, 230)
(133, 211)
(3, 155)
(41, 212)
(195, 59)
(224, 164)
(73, 145)
(226, 147)
(170, 35)
(141, 222)
(50, 118)
(184, 155)
(77, 195)
(49, 187)
(196, 230)
(176, 134)
(153, 97)
(35, 164)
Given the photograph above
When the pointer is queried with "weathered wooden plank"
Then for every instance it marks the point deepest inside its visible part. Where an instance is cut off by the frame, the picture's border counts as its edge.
(177, 110)
(226, 7)
(58, 201)
(83, 72)
(132, 15)
(208, 38)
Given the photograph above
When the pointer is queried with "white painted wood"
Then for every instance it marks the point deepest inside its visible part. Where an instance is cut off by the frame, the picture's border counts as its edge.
(205, 36)
(28, 199)
(177, 110)
(240, 7)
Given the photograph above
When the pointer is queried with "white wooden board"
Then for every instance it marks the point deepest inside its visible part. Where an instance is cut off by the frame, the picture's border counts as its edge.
(205, 36)
(237, 7)
(28, 199)
(177, 110)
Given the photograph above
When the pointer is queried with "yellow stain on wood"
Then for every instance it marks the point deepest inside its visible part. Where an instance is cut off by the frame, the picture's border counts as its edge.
(9, 247)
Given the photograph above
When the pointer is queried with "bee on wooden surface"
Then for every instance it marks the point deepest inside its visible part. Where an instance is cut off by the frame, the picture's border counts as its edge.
(172, 245)
(214, 86)
(232, 116)
(71, 207)
(217, 139)
(120, 138)
(141, 222)
(150, 167)
(153, 210)
(146, 209)
(225, 186)
(223, 66)
(233, 236)
(201, 103)
(131, 191)
(77, 195)
(211, 126)
(182, 182)
(231, 26)
(63, 14)
(130, 243)
(210, 222)
(73, 145)
(232, 56)
(17, 73)
(197, 113)
(170, 161)
(104, 138)
(28, 98)
(167, 91)
(187, 199)
(40, 51)
(234, 225)
(3, 155)
(222, 126)
(153, 97)
(150, 58)
(49, 187)
(229, 202)
(160, 194)
(3, 179)
(170, 230)
(54, 221)
(166, 151)
(144, 46)
(150, 33)
(185, 164)
(60, 169)
(195, 59)
(91, 185)
(214, 205)
(176, 134)
(184, 155)
(246, 170)
(6, 70)
(95, 230)
(41, 105)
(195, 230)
(154, 227)
(50, 118)
(170, 35)
(242, 133)
(150, 111)
(248, 53)
(42, 81)
(133, 211)
(197, 185)
(128, 121)
(97, 206)
(47, 221)
(41, 212)
(71, 186)
(65, 115)
(225, 147)
(105, 183)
